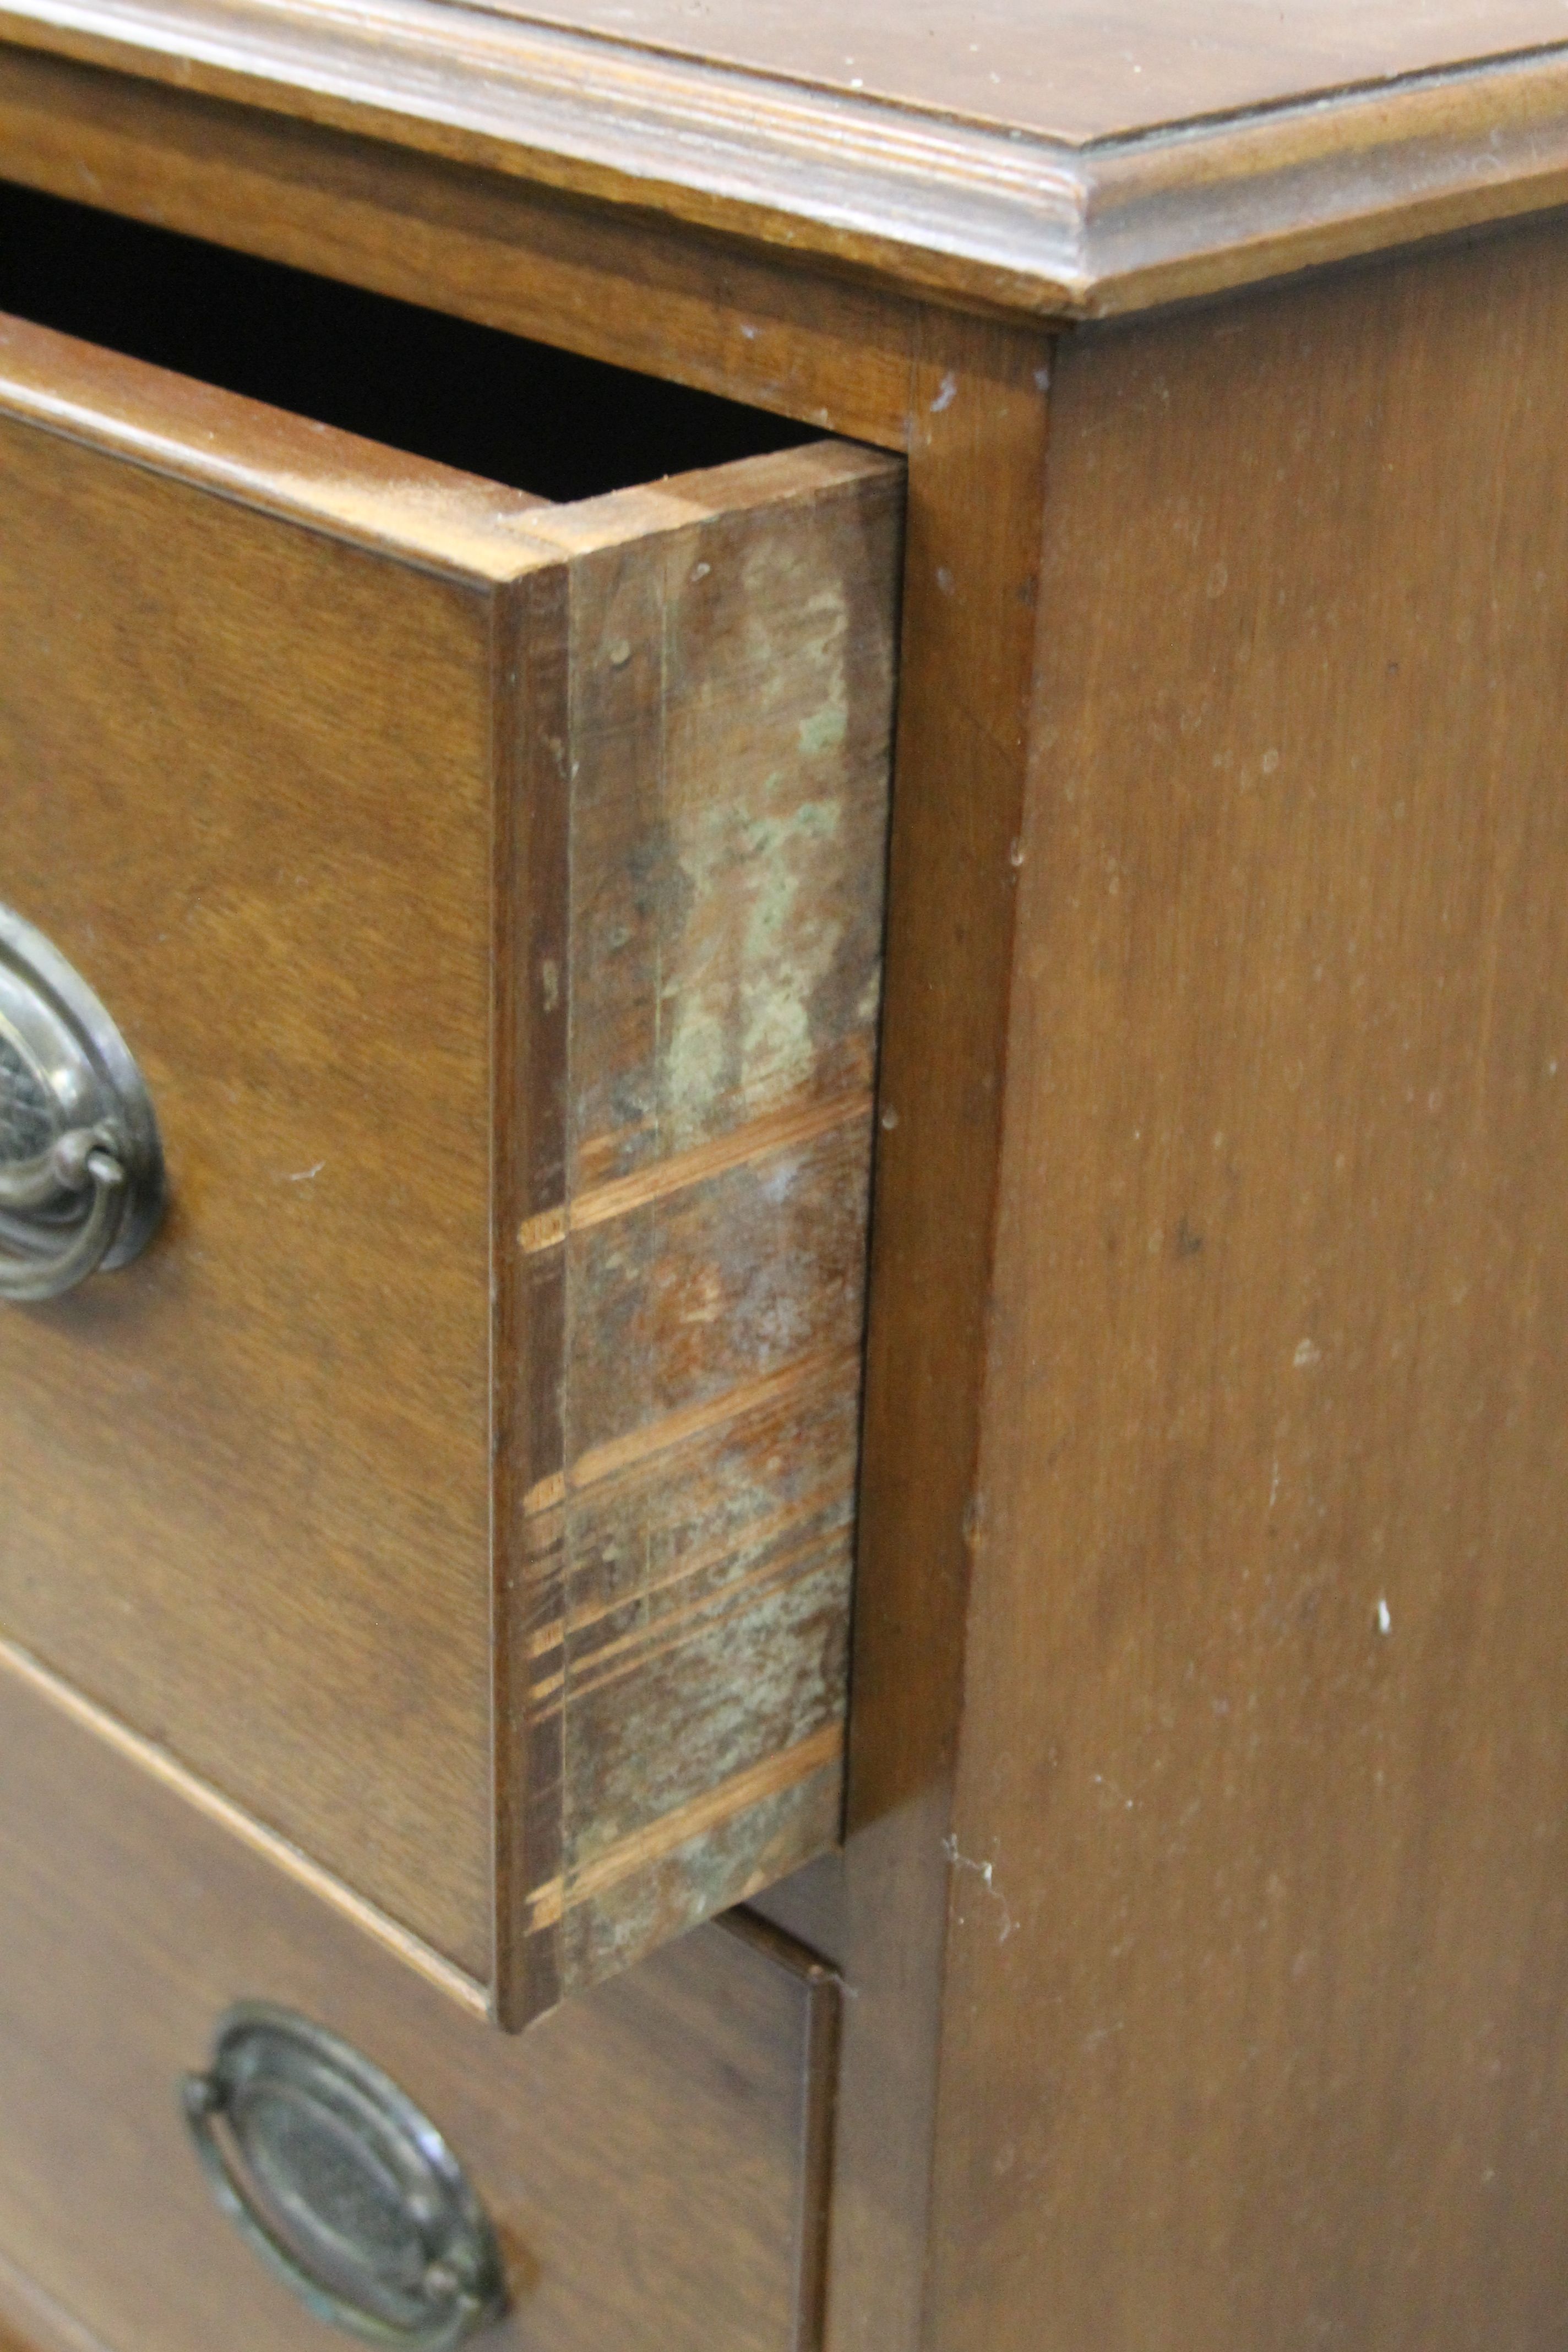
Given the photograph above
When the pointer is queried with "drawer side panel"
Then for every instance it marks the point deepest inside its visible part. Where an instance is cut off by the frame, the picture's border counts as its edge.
(688, 1580)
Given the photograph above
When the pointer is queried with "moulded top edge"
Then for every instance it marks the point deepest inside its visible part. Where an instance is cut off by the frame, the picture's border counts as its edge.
(1355, 148)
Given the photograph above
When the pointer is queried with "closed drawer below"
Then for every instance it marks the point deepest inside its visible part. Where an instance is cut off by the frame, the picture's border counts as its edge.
(651, 2156)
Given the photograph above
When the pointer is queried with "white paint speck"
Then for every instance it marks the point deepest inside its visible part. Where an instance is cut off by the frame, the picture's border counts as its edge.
(304, 1175)
(1384, 1622)
(1270, 762)
(890, 1119)
(986, 1873)
(1308, 1352)
(947, 394)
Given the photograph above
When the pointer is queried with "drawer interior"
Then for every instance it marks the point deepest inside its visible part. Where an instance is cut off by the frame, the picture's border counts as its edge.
(461, 1486)
(524, 413)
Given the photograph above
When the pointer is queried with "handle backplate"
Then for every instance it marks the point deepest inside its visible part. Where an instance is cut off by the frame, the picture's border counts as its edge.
(341, 2185)
(81, 1167)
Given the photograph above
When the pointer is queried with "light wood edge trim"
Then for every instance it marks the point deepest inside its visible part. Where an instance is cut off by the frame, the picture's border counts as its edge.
(957, 210)
(760, 1138)
(256, 455)
(42, 2323)
(602, 1462)
(156, 1761)
(547, 1905)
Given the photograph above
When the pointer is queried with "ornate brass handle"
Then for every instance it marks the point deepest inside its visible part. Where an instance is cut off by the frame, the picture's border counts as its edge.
(81, 1170)
(341, 2185)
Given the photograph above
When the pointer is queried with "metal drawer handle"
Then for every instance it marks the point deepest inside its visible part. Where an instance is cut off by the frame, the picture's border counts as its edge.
(81, 1169)
(340, 2184)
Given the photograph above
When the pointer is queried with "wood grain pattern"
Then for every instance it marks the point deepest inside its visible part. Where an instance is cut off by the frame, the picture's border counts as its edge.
(149, 1756)
(977, 469)
(246, 1485)
(1321, 133)
(651, 2158)
(1214, 2035)
(41, 2323)
(699, 1221)
(1259, 1940)
(479, 244)
(254, 1502)
(1074, 71)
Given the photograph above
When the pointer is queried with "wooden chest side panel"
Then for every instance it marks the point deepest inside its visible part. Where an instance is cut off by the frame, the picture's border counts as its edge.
(1258, 1963)
(650, 2157)
(732, 639)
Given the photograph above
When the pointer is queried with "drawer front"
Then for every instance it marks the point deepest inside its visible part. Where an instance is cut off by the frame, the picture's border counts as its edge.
(462, 1481)
(646, 2155)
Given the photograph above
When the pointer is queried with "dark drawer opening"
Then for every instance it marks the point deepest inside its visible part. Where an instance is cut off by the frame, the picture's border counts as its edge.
(521, 413)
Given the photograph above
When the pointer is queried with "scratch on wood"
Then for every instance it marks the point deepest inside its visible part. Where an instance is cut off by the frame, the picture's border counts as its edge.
(660, 1436)
(745, 1146)
(547, 1903)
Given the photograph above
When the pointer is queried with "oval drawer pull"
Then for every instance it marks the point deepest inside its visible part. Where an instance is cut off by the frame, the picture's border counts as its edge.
(81, 1171)
(341, 2183)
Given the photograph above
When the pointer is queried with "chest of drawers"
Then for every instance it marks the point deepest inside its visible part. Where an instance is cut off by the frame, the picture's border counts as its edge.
(487, 493)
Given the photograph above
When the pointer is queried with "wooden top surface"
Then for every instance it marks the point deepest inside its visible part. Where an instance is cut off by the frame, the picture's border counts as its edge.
(1074, 71)
(1058, 157)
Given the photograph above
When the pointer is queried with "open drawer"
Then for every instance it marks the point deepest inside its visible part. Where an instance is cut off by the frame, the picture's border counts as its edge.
(460, 1483)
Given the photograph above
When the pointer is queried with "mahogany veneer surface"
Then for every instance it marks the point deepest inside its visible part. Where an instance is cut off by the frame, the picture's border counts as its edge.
(643, 2155)
(1073, 69)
